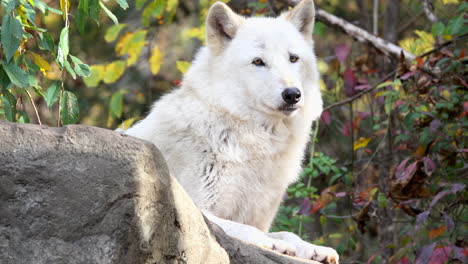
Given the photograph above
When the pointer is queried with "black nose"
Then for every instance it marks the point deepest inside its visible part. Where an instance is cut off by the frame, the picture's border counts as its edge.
(291, 95)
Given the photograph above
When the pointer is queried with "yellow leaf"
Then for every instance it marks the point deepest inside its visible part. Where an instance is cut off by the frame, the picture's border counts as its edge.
(131, 44)
(122, 44)
(361, 143)
(171, 4)
(183, 66)
(127, 123)
(97, 73)
(64, 6)
(323, 86)
(450, 1)
(446, 94)
(113, 32)
(420, 45)
(39, 61)
(380, 93)
(155, 60)
(136, 45)
(113, 71)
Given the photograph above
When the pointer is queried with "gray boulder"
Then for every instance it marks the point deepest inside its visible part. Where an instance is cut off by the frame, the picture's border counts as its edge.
(81, 194)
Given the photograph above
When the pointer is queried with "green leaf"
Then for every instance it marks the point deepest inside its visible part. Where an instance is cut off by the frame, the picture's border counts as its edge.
(11, 35)
(69, 69)
(140, 3)
(8, 109)
(154, 9)
(9, 5)
(46, 41)
(17, 76)
(69, 110)
(23, 117)
(52, 94)
(94, 10)
(64, 47)
(123, 4)
(438, 28)
(113, 32)
(5, 82)
(82, 15)
(116, 104)
(382, 200)
(109, 13)
(456, 25)
(80, 68)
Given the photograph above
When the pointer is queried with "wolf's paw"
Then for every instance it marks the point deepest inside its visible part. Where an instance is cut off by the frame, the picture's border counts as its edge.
(280, 246)
(306, 250)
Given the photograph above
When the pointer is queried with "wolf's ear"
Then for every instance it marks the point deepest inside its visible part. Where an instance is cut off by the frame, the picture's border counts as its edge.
(303, 17)
(221, 26)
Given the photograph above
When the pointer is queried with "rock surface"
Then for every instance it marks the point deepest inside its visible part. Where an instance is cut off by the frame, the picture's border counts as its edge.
(81, 194)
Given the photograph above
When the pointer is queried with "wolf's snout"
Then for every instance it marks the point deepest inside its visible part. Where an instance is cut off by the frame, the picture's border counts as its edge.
(291, 95)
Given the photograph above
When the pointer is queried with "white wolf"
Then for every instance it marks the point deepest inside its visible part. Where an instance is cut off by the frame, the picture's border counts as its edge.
(235, 132)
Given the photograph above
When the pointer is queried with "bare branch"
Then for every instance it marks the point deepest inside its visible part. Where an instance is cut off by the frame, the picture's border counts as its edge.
(429, 11)
(358, 95)
(363, 36)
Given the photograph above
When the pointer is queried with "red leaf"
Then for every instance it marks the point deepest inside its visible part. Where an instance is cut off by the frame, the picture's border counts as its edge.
(465, 106)
(429, 166)
(350, 82)
(340, 194)
(440, 255)
(363, 115)
(409, 172)
(347, 129)
(342, 52)
(407, 75)
(372, 258)
(398, 103)
(419, 61)
(177, 82)
(326, 117)
(403, 260)
(401, 167)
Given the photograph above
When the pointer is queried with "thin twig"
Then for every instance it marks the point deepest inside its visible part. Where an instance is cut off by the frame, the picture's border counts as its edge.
(60, 104)
(34, 106)
(358, 95)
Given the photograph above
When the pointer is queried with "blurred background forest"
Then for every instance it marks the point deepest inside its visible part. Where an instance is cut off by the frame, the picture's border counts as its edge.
(385, 175)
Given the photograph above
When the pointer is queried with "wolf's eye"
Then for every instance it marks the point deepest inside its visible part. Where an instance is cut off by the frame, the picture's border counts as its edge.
(258, 62)
(293, 58)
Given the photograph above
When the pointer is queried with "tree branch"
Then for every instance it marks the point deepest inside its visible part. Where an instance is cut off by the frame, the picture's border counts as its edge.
(356, 96)
(362, 35)
(429, 11)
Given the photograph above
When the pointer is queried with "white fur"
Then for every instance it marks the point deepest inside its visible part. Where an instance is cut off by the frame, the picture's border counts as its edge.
(222, 133)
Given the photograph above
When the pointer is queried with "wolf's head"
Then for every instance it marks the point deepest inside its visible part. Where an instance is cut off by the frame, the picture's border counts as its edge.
(266, 65)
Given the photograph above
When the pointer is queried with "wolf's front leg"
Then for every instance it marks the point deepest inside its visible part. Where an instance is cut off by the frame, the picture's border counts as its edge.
(307, 250)
(251, 235)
